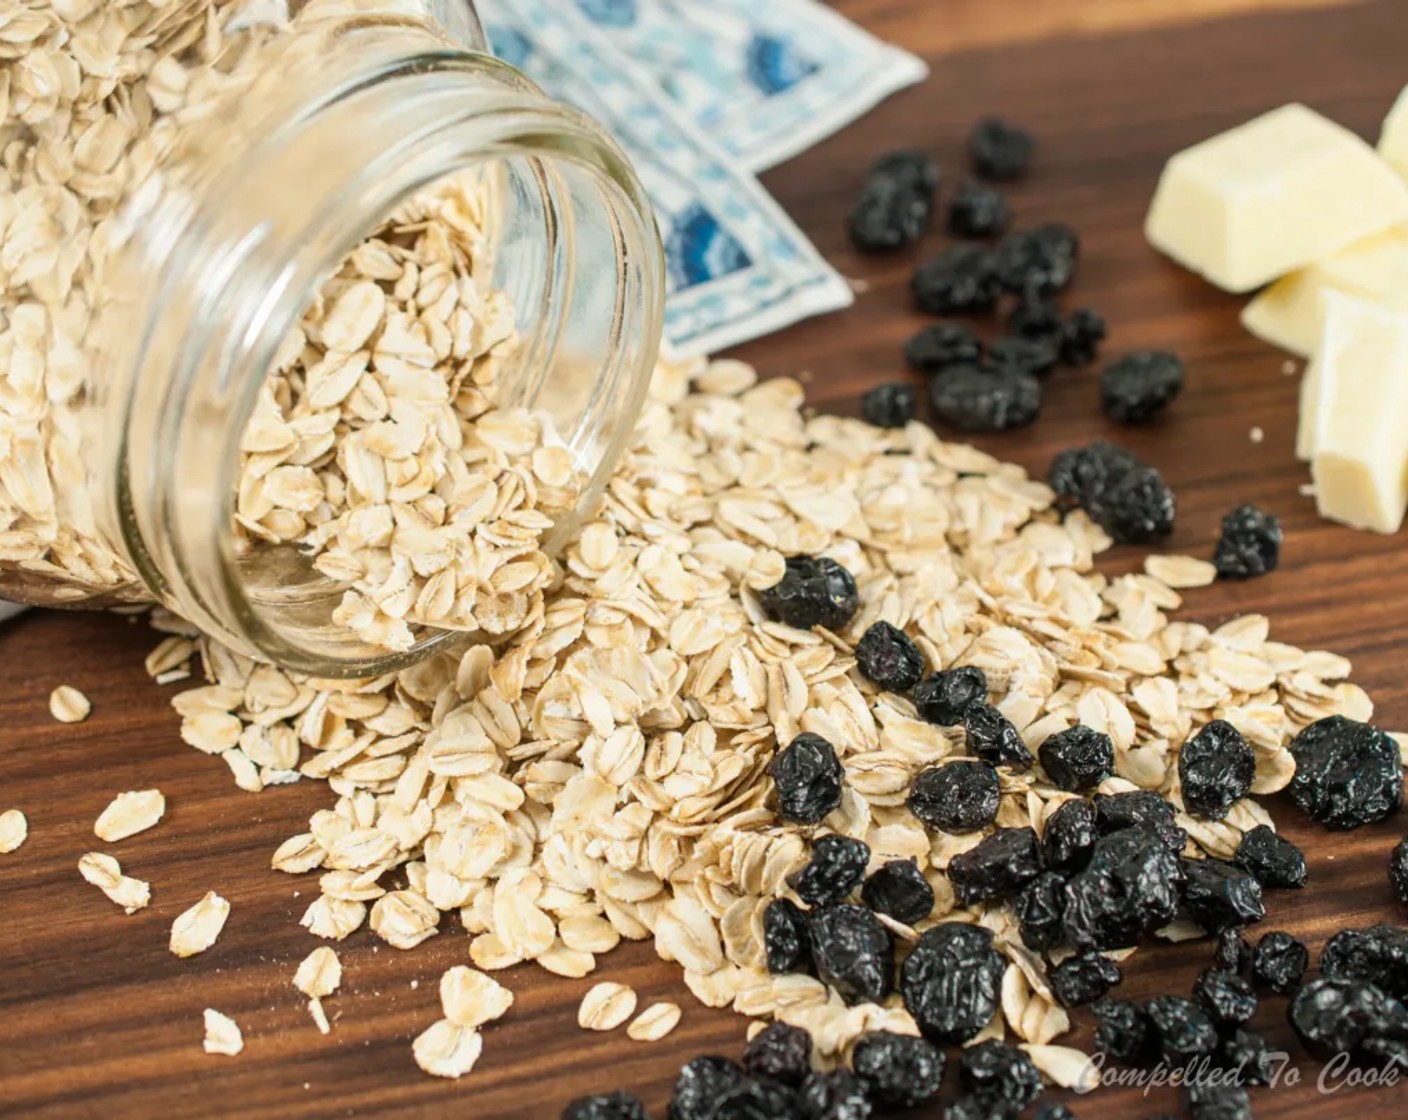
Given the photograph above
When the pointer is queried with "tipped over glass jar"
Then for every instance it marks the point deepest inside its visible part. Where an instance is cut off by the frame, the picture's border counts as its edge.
(318, 325)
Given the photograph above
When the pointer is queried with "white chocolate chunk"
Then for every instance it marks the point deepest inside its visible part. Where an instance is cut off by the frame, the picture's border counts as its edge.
(1360, 466)
(1393, 140)
(1273, 195)
(1289, 313)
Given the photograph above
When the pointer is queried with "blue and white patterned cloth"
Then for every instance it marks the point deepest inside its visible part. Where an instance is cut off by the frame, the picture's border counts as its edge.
(702, 94)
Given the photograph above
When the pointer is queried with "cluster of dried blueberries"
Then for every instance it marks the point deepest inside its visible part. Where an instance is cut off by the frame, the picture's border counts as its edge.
(984, 388)
(1131, 501)
(1108, 871)
(776, 1081)
(977, 388)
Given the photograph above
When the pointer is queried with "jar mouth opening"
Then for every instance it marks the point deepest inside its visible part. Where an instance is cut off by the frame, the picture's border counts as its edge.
(568, 241)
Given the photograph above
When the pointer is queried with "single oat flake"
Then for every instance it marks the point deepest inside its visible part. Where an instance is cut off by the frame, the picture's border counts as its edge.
(1181, 571)
(14, 830)
(222, 1034)
(130, 813)
(606, 1006)
(68, 705)
(470, 998)
(446, 1050)
(654, 1023)
(196, 930)
(319, 974)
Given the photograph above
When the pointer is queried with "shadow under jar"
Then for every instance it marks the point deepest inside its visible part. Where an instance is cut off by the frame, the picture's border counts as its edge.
(232, 180)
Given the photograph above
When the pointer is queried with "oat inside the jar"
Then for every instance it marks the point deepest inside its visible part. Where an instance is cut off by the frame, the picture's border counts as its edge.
(377, 449)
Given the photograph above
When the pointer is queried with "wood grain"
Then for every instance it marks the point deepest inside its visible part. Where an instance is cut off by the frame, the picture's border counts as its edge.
(965, 24)
(97, 1019)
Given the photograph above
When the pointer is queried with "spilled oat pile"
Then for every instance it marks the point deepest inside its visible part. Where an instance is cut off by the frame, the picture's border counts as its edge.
(602, 772)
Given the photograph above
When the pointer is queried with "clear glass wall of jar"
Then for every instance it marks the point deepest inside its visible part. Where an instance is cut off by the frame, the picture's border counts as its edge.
(217, 249)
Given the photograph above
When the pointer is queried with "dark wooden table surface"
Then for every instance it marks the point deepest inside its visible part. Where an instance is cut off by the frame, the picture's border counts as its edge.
(97, 1019)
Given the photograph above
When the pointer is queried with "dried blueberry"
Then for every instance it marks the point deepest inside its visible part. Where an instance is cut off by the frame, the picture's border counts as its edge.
(1000, 151)
(1037, 261)
(754, 1100)
(978, 211)
(899, 890)
(834, 1095)
(961, 280)
(780, 1052)
(1228, 1000)
(1215, 770)
(1125, 497)
(975, 400)
(945, 697)
(960, 796)
(1039, 908)
(1130, 887)
(1077, 758)
(1207, 1100)
(1138, 387)
(701, 1085)
(1083, 979)
(1070, 836)
(951, 980)
(1179, 1029)
(1250, 544)
(941, 346)
(1279, 961)
(900, 1071)
(853, 952)
(1333, 1016)
(1347, 774)
(1081, 335)
(1035, 356)
(1273, 860)
(813, 591)
(1036, 316)
(786, 936)
(808, 778)
(888, 656)
(993, 737)
(1000, 1072)
(1054, 1111)
(890, 405)
(1232, 954)
(1121, 1030)
(1220, 895)
(1248, 1057)
(1115, 811)
(610, 1106)
(836, 869)
(1378, 953)
(1000, 866)
(976, 1106)
(896, 202)
(1398, 870)
(1386, 1052)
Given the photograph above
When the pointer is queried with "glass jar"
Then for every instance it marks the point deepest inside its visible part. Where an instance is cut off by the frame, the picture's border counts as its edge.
(138, 347)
